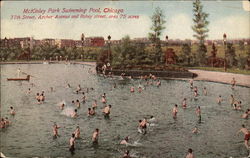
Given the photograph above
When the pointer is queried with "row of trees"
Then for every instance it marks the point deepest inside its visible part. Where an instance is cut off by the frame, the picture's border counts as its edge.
(47, 52)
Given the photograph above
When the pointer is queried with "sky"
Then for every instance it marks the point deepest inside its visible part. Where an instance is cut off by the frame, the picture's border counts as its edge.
(230, 17)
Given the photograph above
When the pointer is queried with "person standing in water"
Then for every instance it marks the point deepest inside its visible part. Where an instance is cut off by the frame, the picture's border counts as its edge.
(232, 100)
(174, 111)
(205, 91)
(219, 100)
(95, 136)
(72, 143)
(12, 111)
(190, 153)
(246, 132)
(106, 111)
(77, 132)
(198, 112)
(55, 130)
(184, 103)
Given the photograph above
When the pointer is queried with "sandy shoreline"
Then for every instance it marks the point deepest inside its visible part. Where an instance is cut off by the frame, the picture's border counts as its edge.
(222, 77)
(212, 76)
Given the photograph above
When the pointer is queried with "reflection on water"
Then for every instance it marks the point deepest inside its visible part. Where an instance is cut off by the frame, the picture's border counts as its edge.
(31, 132)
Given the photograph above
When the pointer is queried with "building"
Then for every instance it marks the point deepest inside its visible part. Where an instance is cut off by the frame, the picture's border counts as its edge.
(49, 41)
(94, 41)
(61, 43)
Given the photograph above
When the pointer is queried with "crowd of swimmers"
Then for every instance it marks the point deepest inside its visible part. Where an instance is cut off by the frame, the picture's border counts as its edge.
(143, 123)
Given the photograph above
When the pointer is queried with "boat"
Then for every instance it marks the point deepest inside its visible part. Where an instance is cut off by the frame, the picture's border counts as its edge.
(19, 79)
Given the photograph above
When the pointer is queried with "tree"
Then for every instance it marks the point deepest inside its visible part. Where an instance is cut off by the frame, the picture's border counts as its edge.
(157, 28)
(186, 54)
(200, 29)
(230, 55)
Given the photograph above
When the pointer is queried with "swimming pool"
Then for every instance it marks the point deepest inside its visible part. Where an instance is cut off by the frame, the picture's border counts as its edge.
(30, 134)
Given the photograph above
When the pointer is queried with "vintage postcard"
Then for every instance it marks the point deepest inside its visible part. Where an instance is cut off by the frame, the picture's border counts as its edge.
(125, 79)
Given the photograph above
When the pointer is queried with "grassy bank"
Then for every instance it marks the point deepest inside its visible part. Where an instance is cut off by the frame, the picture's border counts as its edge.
(230, 70)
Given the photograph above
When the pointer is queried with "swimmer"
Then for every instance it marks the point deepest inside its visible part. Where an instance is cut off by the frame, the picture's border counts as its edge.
(139, 88)
(184, 103)
(195, 130)
(219, 100)
(37, 96)
(158, 83)
(103, 100)
(239, 106)
(195, 91)
(68, 85)
(151, 119)
(190, 154)
(126, 154)
(42, 97)
(174, 111)
(72, 143)
(142, 128)
(29, 91)
(74, 114)
(106, 111)
(124, 141)
(95, 136)
(83, 97)
(62, 106)
(77, 103)
(73, 103)
(246, 132)
(55, 130)
(191, 83)
(245, 115)
(198, 112)
(232, 100)
(132, 89)
(91, 111)
(233, 83)
(2, 123)
(6, 121)
(12, 111)
(77, 132)
(205, 91)
(78, 88)
(94, 105)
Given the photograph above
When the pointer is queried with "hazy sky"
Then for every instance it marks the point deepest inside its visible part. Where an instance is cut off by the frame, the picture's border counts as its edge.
(224, 16)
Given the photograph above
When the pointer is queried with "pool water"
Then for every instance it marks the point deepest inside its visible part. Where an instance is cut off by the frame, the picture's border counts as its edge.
(31, 134)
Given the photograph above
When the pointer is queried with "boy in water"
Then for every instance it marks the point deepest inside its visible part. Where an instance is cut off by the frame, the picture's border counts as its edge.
(94, 105)
(6, 121)
(106, 111)
(232, 100)
(246, 132)
(174, 111)
(184, 103)
(72, 143)
(74, 114)
(126, 154)
(2, 123)
(132, 89)
(190, 154)
(55, 130)
(37, 96)
(245, 115)
(195, 130)
(198, 112)
(77, 103)
(95, 136)
(62, 106)
(77, 132)
(124, 141)
(219, 100)
(205, 91)
(91, 111)
(12, 111)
